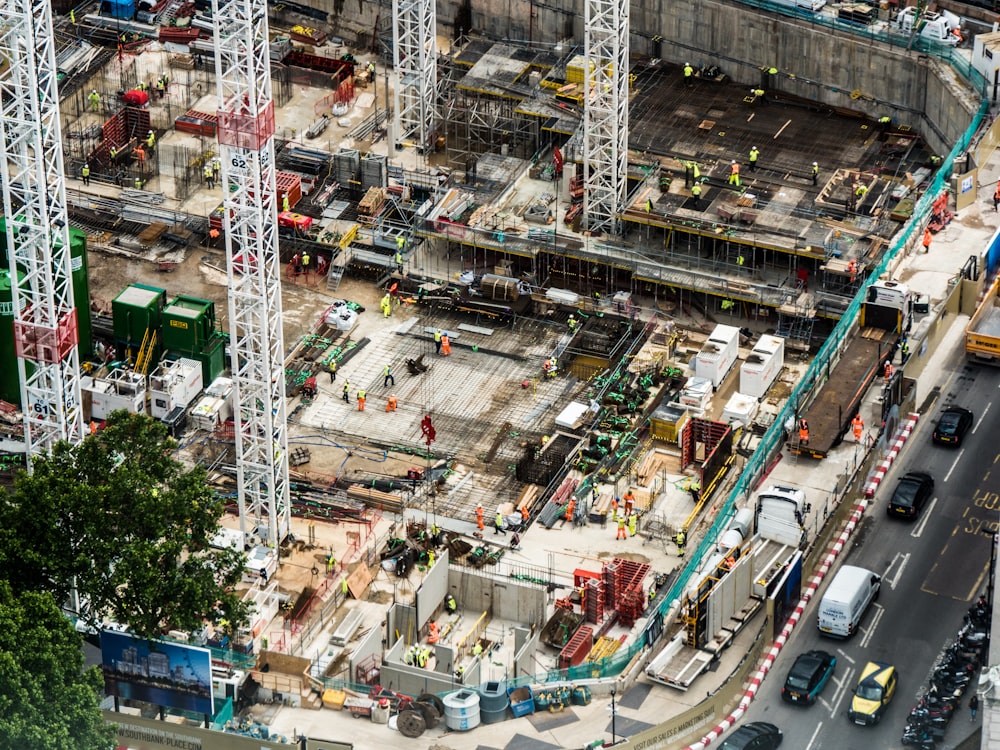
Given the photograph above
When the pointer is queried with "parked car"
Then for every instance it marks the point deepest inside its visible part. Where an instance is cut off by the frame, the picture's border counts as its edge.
(875, 689)
(952, 425)
(808, 676)
(911, 494)
(757, 735)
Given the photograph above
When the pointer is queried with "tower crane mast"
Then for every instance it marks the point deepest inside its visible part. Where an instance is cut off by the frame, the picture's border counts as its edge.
(246, 140)
(37, 229)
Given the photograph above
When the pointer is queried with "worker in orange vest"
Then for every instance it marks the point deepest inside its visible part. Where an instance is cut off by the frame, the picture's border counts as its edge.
(361, 399)
(525, 514)
(445, 345)
(927, 240)
(888, 372)
(629, 500)
(570, 507)
(859, 425)
(390, 404)
(479, 517)
(803, 432)
(621, 528)
(734, 174)
(852, 269)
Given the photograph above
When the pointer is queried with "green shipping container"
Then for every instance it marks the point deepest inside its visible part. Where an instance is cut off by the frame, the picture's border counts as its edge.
(135, 310)
(81, 291)
(10, 380)
(188, 325)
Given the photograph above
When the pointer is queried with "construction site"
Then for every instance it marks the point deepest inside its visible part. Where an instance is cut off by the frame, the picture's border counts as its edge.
(515, 321)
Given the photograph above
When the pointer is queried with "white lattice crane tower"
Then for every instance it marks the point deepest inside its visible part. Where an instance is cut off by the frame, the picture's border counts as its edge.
(34, 202)
(414, 55)
(246, 141)
(605, 114)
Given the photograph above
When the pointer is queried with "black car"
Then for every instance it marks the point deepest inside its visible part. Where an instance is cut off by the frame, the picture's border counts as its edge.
(808, 676)
(757, 735)
(911, 495)
(952, 425)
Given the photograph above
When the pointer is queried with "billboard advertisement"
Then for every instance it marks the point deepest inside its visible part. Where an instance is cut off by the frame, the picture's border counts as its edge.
(173, 675)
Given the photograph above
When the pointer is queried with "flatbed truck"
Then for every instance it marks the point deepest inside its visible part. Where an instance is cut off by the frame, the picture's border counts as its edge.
(982, 334)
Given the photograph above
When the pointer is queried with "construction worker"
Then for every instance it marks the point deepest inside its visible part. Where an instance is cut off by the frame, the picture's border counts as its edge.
(614, 507)
(852, 269)
(498, 524)
(332, 368)
(884, 122)
(209, 176)
(927, 240)
(904, 352)
(450, 605)
(361, 399)
(688, 75)
(400, 247)
(549, 367)
(754, 155)
(688, 174)
(306, 258)
(479, 518)
(386, 305)
(160, 89)
(679, 539)
(331, 563)
(815, 173)
(85, 174)
(437, 341)
(803, 432)
(399, 261)
(649, 205)
(696, 194)
(140, 155)
(694, 489)
(573, 324)
(734, 174)
(633, 522)
(285, 203)
(445, 345)
(629, 499)
(525, 514)
(95, 101)
(430, 558)
(347, 393)
(859, 194)
(858, 425)
(621, 529)
(996, 197)
(387, 376)
(216, 167)
(138, 182)
(887, 372)
(477, 650)
(150, 141)
(570, 507)
(391, 403)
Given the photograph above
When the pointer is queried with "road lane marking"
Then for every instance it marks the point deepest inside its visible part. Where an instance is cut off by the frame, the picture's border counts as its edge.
(982, 417)
(840, 692)
(899, 571)
(813, 738)
(954, 464)
(844, 656)
(922, 523)
(870, 632)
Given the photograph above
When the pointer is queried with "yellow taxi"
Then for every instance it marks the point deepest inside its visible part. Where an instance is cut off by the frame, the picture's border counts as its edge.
(875, 689)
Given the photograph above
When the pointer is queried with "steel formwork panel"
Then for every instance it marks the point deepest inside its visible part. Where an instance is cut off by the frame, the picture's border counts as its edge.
(34, 200)
(605, 113)
(246, 130)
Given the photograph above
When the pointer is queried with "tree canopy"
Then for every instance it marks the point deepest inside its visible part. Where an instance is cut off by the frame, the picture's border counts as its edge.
(48, 701)
(126, 523)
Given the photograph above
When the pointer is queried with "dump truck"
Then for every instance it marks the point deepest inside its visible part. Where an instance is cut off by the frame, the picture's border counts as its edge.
(886, 315)
(982, 335)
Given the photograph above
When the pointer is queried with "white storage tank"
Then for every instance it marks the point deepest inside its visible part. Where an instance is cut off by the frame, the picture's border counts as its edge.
(763, 366)
(461, 710)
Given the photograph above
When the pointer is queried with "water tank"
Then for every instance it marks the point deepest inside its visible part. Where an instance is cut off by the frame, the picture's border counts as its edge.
(81, 291)
(493, 702)
(461, 710)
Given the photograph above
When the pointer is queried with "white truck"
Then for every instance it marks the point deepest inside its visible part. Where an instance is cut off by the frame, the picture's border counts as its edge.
(780, 514)
(944, 27)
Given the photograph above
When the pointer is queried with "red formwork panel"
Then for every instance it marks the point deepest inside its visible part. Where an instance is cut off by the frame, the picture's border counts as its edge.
(245, 129)
(611, 583)
(579, 646)
(630, 572)
(581, 576)
(594, 602)
(632, 606)
(205, 124)
(290, 184)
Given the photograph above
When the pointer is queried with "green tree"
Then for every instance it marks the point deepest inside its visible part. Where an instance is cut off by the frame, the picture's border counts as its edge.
(129, 525)
(48, 701)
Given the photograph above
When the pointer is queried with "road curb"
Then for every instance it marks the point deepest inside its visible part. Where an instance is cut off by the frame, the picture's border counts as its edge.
(897, 444)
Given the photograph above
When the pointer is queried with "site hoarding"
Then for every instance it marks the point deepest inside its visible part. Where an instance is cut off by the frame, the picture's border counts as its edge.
(172, 675)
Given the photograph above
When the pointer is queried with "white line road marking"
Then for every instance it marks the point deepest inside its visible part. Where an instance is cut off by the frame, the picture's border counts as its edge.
(899, 570)
(870, 632)
(922, 524)
(813, 738)
(840, 692)
(982, 416)
(844, 656)
(954, 464)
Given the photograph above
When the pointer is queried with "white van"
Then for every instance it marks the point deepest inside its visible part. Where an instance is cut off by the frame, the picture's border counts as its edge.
(846, 599)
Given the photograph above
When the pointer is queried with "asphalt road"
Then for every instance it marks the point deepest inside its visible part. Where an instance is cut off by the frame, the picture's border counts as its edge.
(932, 570)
